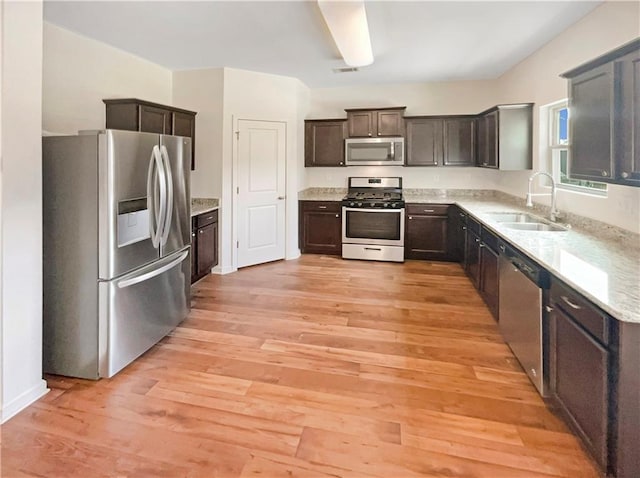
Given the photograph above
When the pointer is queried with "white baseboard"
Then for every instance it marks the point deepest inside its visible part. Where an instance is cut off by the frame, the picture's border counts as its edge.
(23, 401)
(223, 270)
(295, 255)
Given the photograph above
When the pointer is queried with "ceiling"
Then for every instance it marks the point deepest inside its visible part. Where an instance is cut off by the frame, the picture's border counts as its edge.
(412, 41)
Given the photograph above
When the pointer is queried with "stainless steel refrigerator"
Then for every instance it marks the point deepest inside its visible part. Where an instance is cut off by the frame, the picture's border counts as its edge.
(116, 245)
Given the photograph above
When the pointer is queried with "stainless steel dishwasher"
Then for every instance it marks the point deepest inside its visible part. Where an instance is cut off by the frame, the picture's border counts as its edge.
(520, 311)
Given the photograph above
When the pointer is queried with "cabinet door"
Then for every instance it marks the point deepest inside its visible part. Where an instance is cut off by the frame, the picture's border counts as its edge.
(324, 143)
(389, 123)
(426, 237)
(491, 140)
(459, 141)
(206, 248)
(184, 124)
(424, 142)
(194, 255)
(591, 101)
(489, 278)
(322, 232)
(579, 370)
(627, 144)
(155, 120)
(361, 123)
(472, 258)
(457, 233)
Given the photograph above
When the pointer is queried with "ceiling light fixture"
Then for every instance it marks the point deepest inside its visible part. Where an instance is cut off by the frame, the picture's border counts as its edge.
(347, 22)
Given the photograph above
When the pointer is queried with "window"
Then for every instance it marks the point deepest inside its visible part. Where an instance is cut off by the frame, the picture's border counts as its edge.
(559, 147)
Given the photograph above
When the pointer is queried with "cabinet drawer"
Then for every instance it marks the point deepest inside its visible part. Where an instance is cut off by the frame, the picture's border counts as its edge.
(581, 310)
(427, 209)
(473, 225)
(489, 239)
(206, 218)
(326, 206)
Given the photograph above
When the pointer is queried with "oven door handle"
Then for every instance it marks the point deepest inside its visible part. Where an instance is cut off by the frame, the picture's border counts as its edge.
(368, 209)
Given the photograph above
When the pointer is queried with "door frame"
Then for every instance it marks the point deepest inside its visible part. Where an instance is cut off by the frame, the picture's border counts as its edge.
(234, 183)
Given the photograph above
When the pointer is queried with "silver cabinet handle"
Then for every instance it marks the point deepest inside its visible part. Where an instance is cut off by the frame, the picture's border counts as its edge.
(464, 228)
(193, 234)
(548, 308)
(477, 240)
(337, 215)
(605, 174)
(625, 175)
(372, 249)
(502, 248)
(200, 231)
(322, 207)
(429, 210)
(461, 214)
(410, 217)
(482, 245)
(569, 303)
(341, 163)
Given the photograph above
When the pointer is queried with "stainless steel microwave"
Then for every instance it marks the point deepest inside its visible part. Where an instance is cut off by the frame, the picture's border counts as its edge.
(374, 151)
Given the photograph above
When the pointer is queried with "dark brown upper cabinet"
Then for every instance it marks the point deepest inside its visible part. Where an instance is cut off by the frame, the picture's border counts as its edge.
(424, 142)
(604, 124)
(365, 123)
(440, 141)
(505, 137)
(459, 141)
(137, 115)
(324, 142)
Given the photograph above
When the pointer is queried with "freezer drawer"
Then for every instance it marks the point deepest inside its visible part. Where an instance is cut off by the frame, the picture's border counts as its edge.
(140, 308)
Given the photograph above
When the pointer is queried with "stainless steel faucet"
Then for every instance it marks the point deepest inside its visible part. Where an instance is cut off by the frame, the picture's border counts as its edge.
(554, 215)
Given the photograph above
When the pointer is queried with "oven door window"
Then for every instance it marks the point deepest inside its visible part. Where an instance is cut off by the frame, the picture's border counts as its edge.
(381, 225)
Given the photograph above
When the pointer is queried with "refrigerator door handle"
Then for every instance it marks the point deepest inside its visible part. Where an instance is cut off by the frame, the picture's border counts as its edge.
(156, 177)
(166, 226)
(136, 279)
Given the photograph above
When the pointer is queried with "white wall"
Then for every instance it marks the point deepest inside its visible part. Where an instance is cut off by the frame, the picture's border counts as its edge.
(260, 96)
(79, 72)
(443, 98)
(202, 91)
(21, 229)
(537, 79)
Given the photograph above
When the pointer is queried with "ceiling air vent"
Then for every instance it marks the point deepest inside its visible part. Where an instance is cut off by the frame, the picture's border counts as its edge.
(348, 69)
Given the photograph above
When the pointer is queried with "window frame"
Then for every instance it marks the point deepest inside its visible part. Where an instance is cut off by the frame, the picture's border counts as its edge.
(555, 148)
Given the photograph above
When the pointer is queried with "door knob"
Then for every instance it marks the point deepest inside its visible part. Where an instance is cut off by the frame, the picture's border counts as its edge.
(280, 198)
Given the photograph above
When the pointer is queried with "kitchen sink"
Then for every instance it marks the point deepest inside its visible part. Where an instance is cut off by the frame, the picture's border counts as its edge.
(534, 226)
(513, 217)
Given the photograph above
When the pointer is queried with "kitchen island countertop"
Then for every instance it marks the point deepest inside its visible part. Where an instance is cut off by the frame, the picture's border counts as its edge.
(601, 262)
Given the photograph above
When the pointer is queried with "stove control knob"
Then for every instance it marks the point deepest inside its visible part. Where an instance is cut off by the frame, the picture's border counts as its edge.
(351, 204)
(372, 204)
(386, 204)
(359, 204)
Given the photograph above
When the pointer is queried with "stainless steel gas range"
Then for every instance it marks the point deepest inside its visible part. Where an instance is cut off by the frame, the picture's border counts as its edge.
(373, 220)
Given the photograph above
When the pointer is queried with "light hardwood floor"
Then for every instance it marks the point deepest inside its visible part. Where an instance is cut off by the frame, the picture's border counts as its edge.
(317, 367)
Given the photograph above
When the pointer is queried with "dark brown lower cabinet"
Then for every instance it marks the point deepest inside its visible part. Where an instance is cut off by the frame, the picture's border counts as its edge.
(579, 374)
(472, 257)
(489, 278)
(204, 244)
(427, 232)
(320, 227)
(480, 261)
(457, 233)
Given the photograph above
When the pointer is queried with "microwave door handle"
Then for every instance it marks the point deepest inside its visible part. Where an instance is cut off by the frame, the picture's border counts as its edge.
(392, 153)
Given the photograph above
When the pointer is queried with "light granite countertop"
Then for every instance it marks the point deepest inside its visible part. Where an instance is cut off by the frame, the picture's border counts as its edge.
(202, 205)
(601, 262)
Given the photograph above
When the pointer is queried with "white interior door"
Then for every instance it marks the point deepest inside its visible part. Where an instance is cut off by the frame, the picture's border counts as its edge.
(261, 191)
